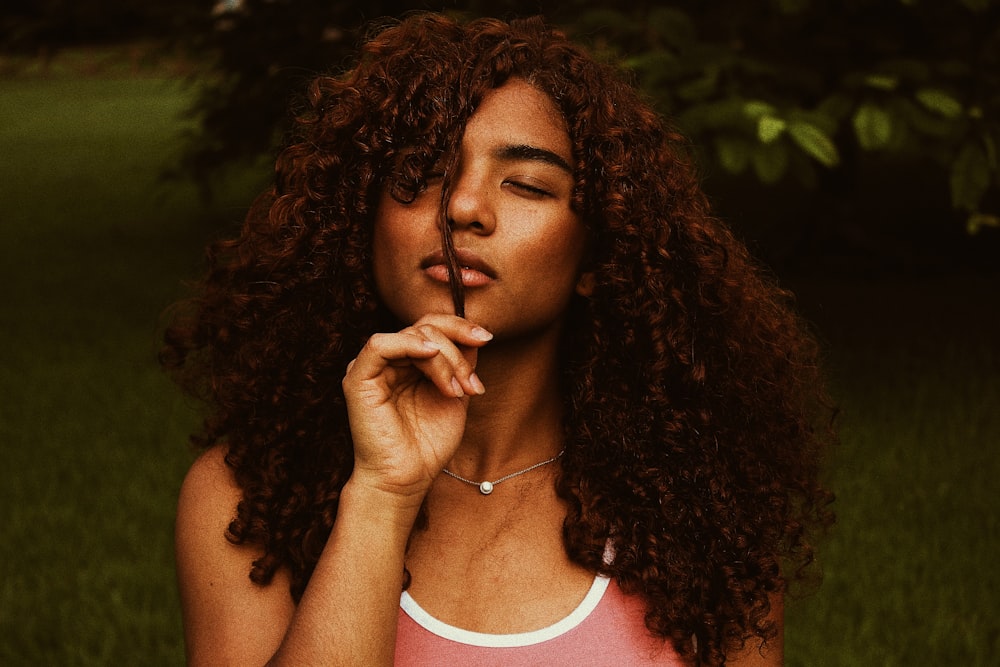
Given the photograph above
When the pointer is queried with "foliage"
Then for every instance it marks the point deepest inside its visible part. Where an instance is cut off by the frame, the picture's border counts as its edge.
(802, 87)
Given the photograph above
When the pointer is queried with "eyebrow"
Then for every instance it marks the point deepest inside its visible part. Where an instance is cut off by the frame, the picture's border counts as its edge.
(526, 152)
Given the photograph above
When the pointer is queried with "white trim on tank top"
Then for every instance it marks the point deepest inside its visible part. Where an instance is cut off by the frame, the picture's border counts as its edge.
(441, 629)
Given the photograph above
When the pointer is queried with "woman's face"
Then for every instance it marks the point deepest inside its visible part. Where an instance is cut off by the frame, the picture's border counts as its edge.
(518, 241)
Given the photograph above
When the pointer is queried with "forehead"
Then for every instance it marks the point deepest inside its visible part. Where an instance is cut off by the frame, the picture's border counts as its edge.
(517, 113)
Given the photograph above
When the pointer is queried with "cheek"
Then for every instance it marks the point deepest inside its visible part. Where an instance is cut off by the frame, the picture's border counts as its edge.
(401, 238)
(561, 248)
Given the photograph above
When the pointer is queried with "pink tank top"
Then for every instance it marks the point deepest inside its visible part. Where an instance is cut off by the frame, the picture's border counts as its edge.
(607, 628)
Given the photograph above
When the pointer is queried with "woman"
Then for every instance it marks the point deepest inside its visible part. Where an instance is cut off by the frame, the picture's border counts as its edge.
(483, 344)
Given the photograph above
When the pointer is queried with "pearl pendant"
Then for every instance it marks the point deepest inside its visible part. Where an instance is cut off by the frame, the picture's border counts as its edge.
(486, 488)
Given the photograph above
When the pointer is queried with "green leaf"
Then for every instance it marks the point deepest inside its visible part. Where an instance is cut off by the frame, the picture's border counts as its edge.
(770, 161)
(872, 126)
(815, 142)
(977, 221)
(769, 128)
(733, 153)
(926, 122)
(970, 177)
(706, 116)
(881, 81)
(818, 118)
(940, 102)
(757, 108)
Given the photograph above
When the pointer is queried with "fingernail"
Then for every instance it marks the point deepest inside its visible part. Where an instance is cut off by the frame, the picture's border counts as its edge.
(480, 333)
(431, 345)
(477, 384)
(457, 388)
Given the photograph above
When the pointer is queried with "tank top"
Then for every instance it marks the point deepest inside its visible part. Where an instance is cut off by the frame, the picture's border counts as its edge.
(607, 628)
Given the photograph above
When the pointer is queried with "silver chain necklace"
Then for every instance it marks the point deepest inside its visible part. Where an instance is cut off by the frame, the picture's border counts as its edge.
(486, 488)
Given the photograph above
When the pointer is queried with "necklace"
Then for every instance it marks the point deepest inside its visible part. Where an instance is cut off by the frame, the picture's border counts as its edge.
(486, 488)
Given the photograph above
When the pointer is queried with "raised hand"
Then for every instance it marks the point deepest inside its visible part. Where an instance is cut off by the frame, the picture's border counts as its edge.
(407, 396)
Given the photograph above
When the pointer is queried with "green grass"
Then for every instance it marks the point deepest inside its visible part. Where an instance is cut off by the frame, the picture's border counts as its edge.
(93, 247)
(911, 572)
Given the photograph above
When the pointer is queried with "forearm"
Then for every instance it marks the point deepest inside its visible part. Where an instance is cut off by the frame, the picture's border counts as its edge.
(407, 396)
(349, 611)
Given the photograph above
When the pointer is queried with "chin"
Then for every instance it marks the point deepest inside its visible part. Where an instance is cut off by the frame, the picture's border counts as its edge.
(407, 314)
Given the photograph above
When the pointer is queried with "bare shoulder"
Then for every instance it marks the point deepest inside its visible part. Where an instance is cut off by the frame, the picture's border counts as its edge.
(206, 505)
(209, 479)
(227, 618)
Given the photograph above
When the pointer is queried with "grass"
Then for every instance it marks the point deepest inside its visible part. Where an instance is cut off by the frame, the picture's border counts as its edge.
(93, 247)
(911, 573)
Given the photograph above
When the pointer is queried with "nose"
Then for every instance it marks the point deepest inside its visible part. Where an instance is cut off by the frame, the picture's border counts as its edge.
(470, 204)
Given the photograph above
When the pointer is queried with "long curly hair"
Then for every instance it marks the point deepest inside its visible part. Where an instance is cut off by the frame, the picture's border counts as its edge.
(695, 419)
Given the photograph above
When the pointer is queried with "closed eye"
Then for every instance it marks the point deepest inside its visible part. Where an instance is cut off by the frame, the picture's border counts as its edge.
(527, 189)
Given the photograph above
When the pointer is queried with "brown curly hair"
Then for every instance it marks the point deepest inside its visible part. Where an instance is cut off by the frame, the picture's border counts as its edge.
(695, 415)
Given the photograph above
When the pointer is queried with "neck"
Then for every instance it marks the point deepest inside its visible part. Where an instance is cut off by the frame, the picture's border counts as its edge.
(518, 422)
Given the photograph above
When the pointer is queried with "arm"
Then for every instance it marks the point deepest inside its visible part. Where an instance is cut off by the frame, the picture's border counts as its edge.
(230, 620)
(227, 618)
(407, 397)
(349, 611)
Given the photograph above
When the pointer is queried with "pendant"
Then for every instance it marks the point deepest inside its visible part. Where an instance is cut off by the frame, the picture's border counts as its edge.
(486, 488)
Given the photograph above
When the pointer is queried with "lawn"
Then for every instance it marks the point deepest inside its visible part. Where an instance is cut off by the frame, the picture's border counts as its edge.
(911, 569)
(93, 247)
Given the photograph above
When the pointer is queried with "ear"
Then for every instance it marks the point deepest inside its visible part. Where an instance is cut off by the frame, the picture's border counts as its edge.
(585, 284)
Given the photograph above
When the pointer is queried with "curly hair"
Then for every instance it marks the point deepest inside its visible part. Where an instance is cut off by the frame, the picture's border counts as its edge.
(695, 419)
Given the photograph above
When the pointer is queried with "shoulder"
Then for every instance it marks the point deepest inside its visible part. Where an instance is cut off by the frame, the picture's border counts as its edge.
(207, 501)
(226, 616)
(205, 507)
(208, 488)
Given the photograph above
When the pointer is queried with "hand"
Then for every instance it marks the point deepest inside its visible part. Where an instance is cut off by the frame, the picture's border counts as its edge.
(407, 396)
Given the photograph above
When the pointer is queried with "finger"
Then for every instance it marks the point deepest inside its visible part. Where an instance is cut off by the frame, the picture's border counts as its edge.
(409, 347)
(460, 360)
(468, 336)
(383, 350)
(457, 329)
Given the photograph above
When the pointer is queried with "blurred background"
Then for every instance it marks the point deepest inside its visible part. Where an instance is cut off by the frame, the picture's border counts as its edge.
(853, 145)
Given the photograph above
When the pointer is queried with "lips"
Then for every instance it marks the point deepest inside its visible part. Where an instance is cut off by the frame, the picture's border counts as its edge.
(475, 270)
